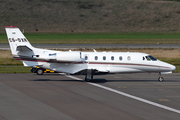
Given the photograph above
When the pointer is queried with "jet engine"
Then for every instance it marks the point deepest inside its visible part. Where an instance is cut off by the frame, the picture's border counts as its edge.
(69, 56)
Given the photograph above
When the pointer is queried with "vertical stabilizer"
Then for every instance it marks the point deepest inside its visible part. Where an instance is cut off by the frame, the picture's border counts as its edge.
(16, 39)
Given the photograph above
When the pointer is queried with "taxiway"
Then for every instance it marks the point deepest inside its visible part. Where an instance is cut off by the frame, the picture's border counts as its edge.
(55, 96)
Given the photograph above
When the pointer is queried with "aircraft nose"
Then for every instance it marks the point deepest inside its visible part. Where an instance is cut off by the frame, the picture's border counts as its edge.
(168, 67)
(173, 68)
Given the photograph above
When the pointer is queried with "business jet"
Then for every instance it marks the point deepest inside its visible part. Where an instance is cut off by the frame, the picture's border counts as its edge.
(85, 63)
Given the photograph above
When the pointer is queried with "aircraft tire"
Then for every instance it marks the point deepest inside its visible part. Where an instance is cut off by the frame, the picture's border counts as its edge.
(87, 80)
(160, 79)
(40, 71)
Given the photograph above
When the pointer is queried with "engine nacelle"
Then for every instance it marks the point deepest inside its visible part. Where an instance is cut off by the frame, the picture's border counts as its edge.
(69, 56)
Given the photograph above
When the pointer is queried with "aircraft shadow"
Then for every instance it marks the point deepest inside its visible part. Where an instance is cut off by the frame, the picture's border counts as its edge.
(44, 80)
(105, 80)
(102, 80)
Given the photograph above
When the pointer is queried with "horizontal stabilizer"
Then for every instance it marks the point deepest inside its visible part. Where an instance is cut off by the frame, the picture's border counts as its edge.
(30, 63)
(23, 48)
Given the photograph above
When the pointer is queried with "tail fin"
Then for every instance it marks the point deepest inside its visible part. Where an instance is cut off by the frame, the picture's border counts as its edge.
(17, 40)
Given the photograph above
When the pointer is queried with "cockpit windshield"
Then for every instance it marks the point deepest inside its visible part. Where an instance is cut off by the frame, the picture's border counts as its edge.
(149, 58)
(152, 58)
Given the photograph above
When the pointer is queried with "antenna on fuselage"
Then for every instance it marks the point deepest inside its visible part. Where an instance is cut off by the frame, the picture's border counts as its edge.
(94, 50)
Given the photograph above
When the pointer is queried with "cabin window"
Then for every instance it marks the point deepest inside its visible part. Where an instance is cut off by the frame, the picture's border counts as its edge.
(96, 57)
(112, 57)
(128, 58)
(120, 58)
(143, 58)
(86, 57)
(104, 57)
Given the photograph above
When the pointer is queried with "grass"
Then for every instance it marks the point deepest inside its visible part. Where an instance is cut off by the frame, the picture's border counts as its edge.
(100, 38)
(174, 61)
(14, 69)
(103, 35)
(177, 69)
(9, 61)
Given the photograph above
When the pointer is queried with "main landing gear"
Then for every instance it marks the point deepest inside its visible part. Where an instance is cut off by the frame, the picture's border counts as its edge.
(89, 75)
(160, 79)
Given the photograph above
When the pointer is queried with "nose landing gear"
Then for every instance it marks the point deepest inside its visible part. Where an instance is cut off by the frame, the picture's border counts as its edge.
(160, 79)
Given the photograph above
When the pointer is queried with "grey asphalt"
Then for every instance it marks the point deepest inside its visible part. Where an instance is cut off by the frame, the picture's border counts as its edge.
(57, 97)
(95, 46)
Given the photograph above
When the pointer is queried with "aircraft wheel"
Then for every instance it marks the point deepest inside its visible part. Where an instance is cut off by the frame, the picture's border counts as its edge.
(160, 79)
(40, 71)
(87, 80)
